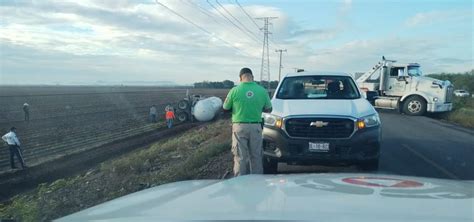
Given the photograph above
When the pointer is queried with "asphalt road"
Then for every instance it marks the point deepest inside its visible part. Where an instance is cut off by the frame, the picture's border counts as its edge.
(416, 146)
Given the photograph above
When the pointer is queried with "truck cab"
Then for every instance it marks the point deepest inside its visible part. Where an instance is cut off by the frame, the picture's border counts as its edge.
(403, 87)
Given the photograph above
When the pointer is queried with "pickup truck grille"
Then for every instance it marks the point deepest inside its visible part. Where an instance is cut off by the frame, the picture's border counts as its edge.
(449, 94)
(335, 128)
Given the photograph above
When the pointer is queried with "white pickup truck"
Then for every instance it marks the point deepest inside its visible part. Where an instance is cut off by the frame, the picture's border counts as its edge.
(320, 118)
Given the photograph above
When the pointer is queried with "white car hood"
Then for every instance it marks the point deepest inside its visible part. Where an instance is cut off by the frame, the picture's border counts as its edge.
(329, 107)
(316, 197)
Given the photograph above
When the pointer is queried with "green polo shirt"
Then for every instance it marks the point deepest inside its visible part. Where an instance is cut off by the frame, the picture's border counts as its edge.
(247, 101)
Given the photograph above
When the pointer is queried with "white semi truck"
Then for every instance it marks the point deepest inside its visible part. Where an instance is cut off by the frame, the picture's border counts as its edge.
(392, 85)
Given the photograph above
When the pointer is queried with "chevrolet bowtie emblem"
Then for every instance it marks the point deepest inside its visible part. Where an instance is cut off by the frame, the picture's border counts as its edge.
(319, 124)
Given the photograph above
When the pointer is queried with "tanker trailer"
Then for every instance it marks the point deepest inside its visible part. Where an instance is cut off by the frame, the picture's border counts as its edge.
(206, 109)
(198, 108)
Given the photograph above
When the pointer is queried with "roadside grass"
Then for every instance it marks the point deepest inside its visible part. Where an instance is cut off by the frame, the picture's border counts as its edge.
(463, 112)
(462, 116)
(171, 160)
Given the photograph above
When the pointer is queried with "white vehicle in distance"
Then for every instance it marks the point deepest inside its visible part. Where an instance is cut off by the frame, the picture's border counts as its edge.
(320, 118)
(461, 93)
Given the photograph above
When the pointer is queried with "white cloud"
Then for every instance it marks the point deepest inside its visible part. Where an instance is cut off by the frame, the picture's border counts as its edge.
(434, 17)
(360, 55)
(99, 40)
(346, 6)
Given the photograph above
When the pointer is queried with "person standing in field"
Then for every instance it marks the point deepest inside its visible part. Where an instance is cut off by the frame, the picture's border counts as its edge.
(26, 110)
(169, 117)
(14, 145)
(153, 113)
(247, 101)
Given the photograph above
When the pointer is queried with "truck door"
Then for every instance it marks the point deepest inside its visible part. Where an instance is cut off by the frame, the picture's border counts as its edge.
(397, 81)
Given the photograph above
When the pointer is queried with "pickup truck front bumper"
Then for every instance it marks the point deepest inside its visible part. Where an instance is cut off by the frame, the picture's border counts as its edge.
(363, 145)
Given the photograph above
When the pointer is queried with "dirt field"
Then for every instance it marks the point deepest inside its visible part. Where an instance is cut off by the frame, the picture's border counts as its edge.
(17, 182)
(202, 152)
(73, 130)
(67, 120)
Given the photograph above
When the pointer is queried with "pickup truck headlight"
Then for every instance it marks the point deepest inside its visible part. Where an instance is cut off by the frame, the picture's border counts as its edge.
(272, 120)
(368, 121)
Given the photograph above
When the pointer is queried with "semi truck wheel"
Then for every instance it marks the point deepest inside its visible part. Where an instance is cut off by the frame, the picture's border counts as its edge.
(183, 104)
(414, 106)
(182, 116)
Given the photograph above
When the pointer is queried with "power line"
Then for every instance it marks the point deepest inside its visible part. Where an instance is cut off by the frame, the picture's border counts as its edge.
(201, 9)
(253, 21)
(201, 28)
(247, 14)
(271, 39)
(237, 20)
(222, 14)
(213, 17)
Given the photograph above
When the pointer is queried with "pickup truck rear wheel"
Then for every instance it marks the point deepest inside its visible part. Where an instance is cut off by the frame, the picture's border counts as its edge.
(270, 166)
(414, 106)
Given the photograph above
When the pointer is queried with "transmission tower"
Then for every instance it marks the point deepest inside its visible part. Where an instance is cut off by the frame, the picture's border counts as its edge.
(265, 68)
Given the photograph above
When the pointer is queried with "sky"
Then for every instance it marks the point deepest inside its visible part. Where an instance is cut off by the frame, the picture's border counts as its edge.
(186, 41)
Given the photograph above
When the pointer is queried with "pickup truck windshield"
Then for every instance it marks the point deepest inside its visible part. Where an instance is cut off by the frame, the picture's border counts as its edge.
(318, 87)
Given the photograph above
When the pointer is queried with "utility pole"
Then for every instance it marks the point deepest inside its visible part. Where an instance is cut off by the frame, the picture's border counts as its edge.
(279, 72)
(265, 68)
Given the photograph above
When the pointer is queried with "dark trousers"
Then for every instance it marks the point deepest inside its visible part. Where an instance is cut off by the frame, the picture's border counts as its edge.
(16, 151)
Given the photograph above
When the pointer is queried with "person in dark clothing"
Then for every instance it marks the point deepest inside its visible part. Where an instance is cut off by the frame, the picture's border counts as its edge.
(298, 91)
(334, 90)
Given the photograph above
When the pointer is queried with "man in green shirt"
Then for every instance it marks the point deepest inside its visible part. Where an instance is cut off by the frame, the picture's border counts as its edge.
(247, 101)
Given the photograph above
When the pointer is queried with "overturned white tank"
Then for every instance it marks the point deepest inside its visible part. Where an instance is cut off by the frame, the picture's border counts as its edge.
(206, 109)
